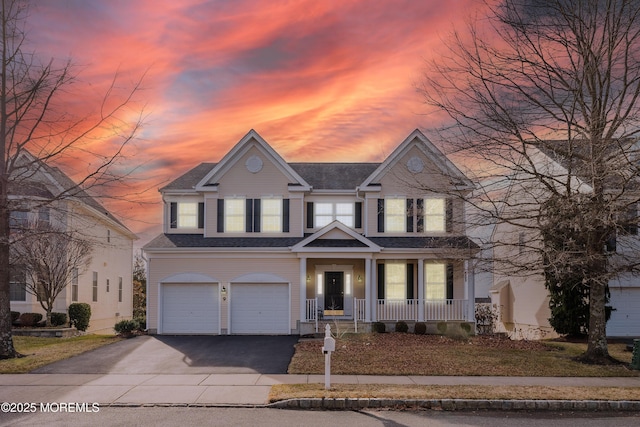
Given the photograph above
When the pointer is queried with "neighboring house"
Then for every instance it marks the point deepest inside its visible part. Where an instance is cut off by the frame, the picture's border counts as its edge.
(106, 285)
(522, 301)
(256, 245)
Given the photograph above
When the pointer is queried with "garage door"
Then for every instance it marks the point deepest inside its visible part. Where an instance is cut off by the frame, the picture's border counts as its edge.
(190, 309)
(260, 308)
(625, 320)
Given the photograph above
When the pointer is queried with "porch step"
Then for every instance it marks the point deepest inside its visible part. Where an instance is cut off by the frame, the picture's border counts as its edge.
(340, 327)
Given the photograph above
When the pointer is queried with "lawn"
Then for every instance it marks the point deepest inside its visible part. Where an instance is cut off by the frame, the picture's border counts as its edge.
(390, 391)
(409, 354)
(43, 351)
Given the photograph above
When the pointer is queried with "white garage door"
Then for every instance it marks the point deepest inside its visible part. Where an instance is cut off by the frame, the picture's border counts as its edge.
(260, 308)
(625, 320)
(190, 309)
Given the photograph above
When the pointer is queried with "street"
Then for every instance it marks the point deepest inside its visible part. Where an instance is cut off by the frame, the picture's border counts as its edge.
(183, 416)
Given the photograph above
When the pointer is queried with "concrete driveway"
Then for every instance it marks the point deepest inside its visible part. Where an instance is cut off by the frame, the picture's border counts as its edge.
(165, 354)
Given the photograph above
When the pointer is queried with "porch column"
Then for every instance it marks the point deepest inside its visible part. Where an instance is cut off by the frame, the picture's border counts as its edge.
(303, 289)
(470, 290)
(373, 284)
(421, 290)
(367, 289)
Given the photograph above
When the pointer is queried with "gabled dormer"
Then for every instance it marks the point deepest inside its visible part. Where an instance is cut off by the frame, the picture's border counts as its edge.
(415, 191)
(251, 191)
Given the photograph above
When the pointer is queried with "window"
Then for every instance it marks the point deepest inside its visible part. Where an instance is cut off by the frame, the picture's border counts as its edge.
(107, 285)
(325, 213)
(395, 215)
(271, 218)
(43, 215)
(395, 280)
(74, 285)
(95, 287)
(17, 284)
(187, 215)
(19, 219)
(17, 291)
(119, 289)
(434, 215)
(108, 236)
(629, 220)
(234, 210)
(435, 280)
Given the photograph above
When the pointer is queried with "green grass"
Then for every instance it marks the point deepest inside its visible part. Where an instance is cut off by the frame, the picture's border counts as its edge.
(43, 351)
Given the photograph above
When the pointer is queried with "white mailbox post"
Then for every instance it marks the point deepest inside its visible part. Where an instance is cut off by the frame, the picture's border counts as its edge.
(329, 347)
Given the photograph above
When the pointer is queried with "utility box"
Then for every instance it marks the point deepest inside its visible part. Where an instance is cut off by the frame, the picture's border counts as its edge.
(635, 358)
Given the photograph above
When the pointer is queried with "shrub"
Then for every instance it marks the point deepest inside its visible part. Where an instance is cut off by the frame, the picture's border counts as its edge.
(142, 322)
(442, 327)
(379, 327)
(14, 316)
(126, 327)
(58, 319)
(402, 326)
(420, 328)
(79, 315)
(30, 319)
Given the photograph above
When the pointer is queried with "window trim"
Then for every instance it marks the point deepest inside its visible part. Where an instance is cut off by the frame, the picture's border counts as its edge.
(240, 227)
(399, 218)
(442, 224)
(276, 218)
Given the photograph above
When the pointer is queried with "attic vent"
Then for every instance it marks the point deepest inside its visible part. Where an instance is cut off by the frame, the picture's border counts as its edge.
(254, 164)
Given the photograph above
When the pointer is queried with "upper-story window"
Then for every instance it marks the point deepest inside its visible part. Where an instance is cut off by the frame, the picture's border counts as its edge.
(234, 215)
(434, 215)
(325, 213)
(187, 215)
(19, 219)
(320, 214)
(271, 216)
(395, 215)
(401, 215)
(240, 215)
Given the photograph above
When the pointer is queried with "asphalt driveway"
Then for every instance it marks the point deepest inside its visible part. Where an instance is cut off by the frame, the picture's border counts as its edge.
(166, 354)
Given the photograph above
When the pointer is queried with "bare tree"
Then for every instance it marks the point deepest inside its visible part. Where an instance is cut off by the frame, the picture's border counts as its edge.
(37, 131)
(50, 259)
(534, 81)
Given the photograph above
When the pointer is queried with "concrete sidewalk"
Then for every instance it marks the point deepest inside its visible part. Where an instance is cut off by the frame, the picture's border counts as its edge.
(229, 389)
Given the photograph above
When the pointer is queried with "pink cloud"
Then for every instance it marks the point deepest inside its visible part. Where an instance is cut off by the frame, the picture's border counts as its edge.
(319, 80)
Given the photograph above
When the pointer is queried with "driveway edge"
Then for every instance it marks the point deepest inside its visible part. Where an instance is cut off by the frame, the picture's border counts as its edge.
(458, 404)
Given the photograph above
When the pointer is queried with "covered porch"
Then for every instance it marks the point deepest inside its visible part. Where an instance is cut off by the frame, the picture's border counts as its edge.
(359, 291)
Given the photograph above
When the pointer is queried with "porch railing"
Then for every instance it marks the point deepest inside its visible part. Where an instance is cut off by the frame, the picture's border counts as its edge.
(359, 312)
(312, 311)
(433, 310)
(395, 310)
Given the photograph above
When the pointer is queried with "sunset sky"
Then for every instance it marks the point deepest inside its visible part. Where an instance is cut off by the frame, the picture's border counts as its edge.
(319, 80)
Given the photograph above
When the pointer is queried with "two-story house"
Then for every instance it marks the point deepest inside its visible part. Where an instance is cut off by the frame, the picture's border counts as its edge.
(521, 298)
(253, 244)
(47, 194)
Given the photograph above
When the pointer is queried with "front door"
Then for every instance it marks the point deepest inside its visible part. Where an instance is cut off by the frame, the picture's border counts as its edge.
(334, 293)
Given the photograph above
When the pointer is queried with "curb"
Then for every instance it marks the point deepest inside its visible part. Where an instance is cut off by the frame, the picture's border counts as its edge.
(459, 404)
